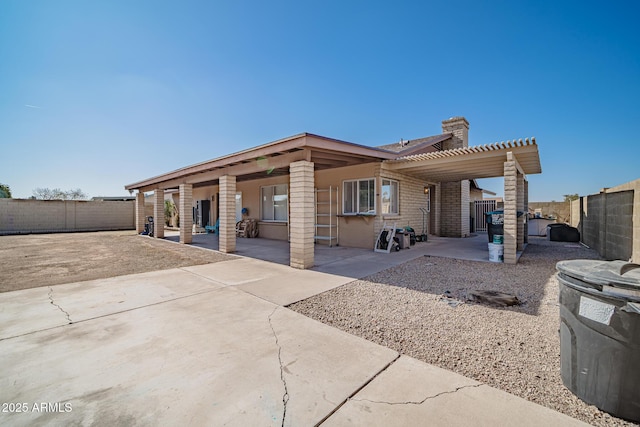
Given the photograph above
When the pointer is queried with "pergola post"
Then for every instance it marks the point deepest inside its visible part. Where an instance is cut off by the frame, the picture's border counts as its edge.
(520, 208)
(301, 222)
(140, 213)
(186, 213)
(513, 230)
(158, 213)
(227, 216)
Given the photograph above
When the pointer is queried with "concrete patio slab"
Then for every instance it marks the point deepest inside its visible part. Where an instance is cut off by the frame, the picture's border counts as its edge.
(239, 271)
(74, 302)
(27, 311)
(294, 286)
(219, 358)
(412, 393)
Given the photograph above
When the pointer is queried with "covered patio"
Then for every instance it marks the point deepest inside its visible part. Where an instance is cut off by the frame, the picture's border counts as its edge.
(301, 157)
(351, 262)
(513, 160)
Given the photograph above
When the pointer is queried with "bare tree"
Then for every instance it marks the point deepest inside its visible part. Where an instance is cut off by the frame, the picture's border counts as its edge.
(58, 194)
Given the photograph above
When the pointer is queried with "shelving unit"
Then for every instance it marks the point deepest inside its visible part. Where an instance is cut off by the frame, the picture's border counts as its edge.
(327, 202)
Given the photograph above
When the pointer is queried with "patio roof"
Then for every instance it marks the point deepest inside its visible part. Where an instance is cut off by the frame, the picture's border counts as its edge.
(482, 161)
(271, 159)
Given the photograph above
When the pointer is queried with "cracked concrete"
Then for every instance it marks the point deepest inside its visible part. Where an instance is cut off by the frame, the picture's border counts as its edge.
(285, 396)
(421, 401)
(59, 308)
(192, 344)
(396, 398)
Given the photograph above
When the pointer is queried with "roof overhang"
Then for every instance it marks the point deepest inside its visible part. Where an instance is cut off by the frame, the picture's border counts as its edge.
(270, 159)
(482, 161)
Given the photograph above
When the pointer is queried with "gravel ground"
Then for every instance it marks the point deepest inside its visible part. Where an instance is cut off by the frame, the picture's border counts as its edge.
(515, 349)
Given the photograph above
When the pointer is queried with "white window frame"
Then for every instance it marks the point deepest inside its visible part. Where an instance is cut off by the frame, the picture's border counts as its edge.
(357, 199)
(395, 196)
(273, 205)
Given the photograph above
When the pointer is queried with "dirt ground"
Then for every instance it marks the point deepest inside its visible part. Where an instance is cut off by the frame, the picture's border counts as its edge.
(31, 261)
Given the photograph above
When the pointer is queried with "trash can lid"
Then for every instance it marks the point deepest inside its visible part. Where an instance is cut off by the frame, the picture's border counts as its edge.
(617, 274)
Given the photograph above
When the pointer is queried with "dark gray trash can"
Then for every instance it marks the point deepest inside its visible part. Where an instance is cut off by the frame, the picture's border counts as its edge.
(600, 334)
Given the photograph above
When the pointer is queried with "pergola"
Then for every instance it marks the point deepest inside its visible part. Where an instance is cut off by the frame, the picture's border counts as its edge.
(512, 160)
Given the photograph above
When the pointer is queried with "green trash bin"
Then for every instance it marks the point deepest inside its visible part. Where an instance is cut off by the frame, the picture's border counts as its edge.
(600, 334)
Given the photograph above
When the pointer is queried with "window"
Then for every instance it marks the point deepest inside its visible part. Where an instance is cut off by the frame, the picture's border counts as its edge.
(274, 200)
(389, 197)
(358, 196)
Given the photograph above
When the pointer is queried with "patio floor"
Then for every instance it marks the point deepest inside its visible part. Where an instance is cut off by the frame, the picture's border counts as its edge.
(351, 262)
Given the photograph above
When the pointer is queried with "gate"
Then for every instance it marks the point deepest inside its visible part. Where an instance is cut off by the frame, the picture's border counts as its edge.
(482, 207)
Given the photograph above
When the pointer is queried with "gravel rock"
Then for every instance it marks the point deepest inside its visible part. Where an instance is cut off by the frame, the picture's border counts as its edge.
(517, 349)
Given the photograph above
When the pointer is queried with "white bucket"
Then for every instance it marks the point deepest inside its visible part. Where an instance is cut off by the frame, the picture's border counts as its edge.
(496, 252)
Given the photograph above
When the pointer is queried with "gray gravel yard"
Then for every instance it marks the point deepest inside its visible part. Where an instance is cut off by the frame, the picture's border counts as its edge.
(515, 349)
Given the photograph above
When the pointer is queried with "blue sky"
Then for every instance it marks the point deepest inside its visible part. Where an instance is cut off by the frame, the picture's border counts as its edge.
(97, 95)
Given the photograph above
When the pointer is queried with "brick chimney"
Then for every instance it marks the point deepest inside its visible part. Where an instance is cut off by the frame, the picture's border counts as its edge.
(459, 127)
(454, 209)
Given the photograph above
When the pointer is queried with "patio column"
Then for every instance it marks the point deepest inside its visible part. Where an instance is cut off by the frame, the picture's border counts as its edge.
(526, 210)
(158, 213)
(186, 213)
(301, 207)
(520, 208)
(435, 209)
(510, 210)
(140, 214)
(227, 214)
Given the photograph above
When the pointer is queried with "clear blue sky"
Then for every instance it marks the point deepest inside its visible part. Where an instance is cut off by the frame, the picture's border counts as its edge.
(99, 94)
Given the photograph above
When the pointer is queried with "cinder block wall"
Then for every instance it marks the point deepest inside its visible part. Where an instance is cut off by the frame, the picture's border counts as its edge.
(25, 216)
(609, 222)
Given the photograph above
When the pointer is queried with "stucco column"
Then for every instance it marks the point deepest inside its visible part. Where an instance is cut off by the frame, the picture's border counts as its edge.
(158, 213)
(510, 211)
(227, 214)
(186, 213)
(140, 216)
(520, 208)
(302, 218)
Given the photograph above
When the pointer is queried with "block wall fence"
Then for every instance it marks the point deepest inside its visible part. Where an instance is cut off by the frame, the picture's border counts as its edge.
(609, 222)
(26, 216)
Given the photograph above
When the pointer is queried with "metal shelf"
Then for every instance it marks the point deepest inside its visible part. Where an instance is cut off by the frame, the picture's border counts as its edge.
(326, 224)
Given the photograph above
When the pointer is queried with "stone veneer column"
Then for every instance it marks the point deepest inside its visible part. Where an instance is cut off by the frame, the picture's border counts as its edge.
(140, 214)
(186, 213)
(520, 208)
(227, 214)
(301, 208)
(510, 210)
(158, 213)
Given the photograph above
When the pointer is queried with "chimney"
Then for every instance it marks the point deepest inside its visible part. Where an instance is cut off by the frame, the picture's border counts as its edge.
(459, 127)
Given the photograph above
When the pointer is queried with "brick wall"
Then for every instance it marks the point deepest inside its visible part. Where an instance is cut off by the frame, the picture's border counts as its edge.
(411, 198)
(26, 216)
(454, 209)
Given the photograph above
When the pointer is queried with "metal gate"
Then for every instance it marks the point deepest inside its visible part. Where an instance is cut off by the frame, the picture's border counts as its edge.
(482, 207)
